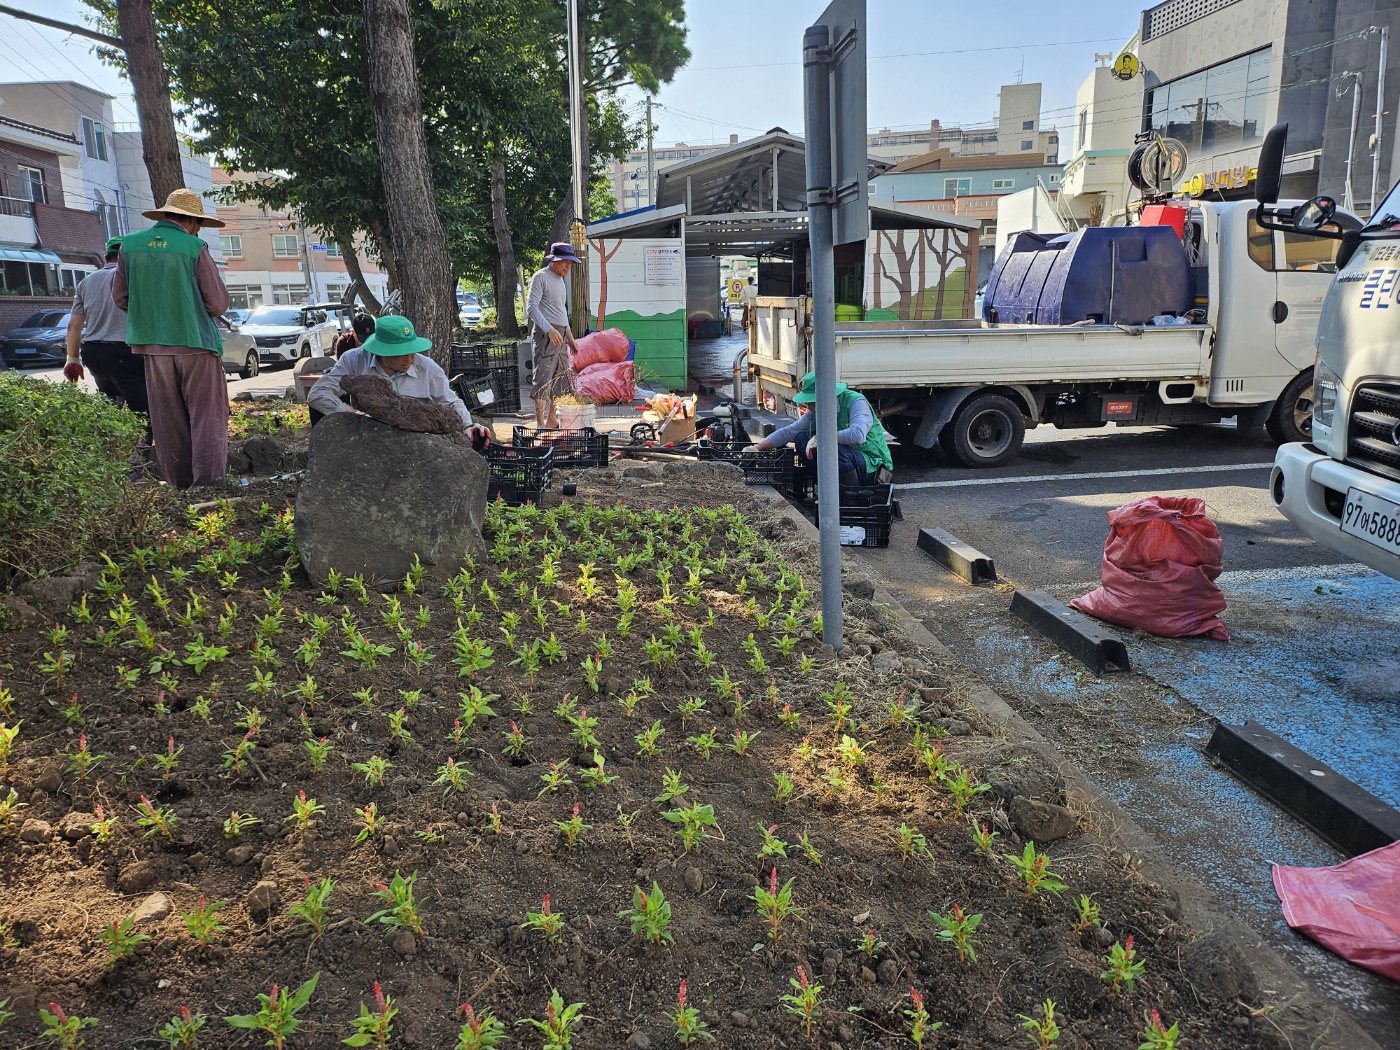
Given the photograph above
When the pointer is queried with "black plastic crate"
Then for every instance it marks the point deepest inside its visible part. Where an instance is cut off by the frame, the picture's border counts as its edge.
(495, 391)
(518, 475)
(870, 508)
(772, 466)
(572, 448)
(803, 485)
(480, 357)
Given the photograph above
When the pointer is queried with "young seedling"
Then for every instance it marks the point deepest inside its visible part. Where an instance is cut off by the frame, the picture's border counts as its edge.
(703, 743)
(647, 740)
(480, 1031)
(911, 843)
(120, 941)
(63, 1029)
(869, 945)
(804, 1001)
(1086, 914)
(772, 846)
(102, 829)
(304, 812)
(1045, 1033)
(783, 788)
(203, 923)
(169, 762)
(548, 923)
(1157, 1036)
(957, 930)
(374, 769)
(401, 912)
(453, 776)
(311, 909)
(573, 829)
(156, 820)
(789, 718)
(516, 742)
(650, 915)
(8, 735)
(493, 822)
(692, 821)
(982, 838)
(920, 1025)
(775, 903)
(964, 788)
(1122, 967)
(317, 751)
(671, 786)
(582, 730)
(559, 1022)
(1034, 869)
(237, 823)
(182, 1031)
(81, 761)
(809, 851)
(374, 1027)
(625, 821)
(597, 777)
(742, 741)
(556, 778)
(9, 806)
(371, 823)
(689, 708)
(277, 1013)
(689, 1026)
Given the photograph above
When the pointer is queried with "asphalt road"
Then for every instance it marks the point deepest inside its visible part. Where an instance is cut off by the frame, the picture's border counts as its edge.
(1311, 654)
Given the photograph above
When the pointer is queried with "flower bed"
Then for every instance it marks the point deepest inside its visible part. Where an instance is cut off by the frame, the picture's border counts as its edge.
(601, 786)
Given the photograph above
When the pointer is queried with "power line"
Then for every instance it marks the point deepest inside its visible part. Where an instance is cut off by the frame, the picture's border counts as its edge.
(918, 54)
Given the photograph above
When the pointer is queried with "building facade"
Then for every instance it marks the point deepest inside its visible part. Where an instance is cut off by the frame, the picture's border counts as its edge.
(271, 259)
(1107, 118)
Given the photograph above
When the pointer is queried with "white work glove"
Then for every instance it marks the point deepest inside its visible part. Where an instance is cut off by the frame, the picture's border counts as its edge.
(812, 447)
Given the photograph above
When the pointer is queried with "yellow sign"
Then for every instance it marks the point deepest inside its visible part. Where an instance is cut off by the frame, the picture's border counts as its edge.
(1126, 66)
(1235, 178)
(736, 289)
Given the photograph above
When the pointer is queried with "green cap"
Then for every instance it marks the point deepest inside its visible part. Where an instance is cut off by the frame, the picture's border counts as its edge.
(394, 337)
(808, 394)
(113, 243)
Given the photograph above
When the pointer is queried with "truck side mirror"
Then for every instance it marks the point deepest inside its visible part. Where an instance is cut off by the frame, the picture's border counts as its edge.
(1351, 240)
(1268, 178)
(1315, 214)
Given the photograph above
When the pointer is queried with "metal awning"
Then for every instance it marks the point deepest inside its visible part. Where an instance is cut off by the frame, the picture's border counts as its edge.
(887, 215)
(644, 222)
(15, 253)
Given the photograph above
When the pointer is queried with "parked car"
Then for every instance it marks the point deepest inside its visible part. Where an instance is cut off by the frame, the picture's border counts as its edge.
(286, 333)
(240, 351)
(471, 314)
(238, 315)
(39, 340)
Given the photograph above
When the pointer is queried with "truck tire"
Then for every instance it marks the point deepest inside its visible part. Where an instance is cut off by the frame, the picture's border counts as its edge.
(250, 366)
(1291, 419)
(987, 431)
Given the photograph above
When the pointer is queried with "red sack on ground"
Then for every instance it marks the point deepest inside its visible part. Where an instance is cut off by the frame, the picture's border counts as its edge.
(1351, 908)
(607, 384)
(1159, 568)
(606, 347)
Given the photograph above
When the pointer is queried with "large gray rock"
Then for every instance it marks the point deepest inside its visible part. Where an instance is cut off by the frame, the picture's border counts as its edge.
(374, 496)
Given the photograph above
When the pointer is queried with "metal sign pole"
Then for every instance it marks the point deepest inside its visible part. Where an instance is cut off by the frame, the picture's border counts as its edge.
(816, 60)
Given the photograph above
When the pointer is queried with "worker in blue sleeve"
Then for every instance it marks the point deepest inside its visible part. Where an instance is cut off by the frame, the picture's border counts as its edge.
(861, 447)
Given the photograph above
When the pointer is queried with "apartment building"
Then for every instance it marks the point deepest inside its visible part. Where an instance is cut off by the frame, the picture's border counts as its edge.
(272, 259)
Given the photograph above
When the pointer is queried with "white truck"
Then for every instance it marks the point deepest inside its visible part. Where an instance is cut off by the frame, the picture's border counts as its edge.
(974, 387)
(286, 333)
(1341, 486)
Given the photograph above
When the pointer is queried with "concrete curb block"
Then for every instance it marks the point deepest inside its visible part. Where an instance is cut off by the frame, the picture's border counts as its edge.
(1343, 813)
(959, 558)
(1304, 1017)
(1099, 650)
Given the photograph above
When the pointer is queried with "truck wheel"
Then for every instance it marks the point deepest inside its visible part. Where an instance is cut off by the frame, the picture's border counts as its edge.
(250, 366)
(987, 431)
(1291, 419)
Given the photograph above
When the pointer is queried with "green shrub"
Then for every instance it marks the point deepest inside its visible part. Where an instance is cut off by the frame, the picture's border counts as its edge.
(65, 477)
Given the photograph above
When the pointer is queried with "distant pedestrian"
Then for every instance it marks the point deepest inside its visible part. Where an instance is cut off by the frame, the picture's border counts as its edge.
(168, 284)
(552, 341)
(750, 301)
(361, 328)
(97, 338)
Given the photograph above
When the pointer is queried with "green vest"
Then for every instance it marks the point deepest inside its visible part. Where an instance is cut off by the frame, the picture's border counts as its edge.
(164, 306)
(874, 448)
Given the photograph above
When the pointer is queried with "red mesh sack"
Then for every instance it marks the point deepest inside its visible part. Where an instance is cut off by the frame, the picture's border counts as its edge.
(1352, 908)
(606, 347)
(1160, 563)
(609, 384)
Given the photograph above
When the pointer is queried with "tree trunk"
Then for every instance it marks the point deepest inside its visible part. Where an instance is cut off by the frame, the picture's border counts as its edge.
(415, 226)
(352, 267)
(503, 285)
(160, 147)
(387, 258)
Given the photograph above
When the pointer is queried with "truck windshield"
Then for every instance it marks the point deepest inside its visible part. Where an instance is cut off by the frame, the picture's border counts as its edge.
(1386, 218)
(278, 315)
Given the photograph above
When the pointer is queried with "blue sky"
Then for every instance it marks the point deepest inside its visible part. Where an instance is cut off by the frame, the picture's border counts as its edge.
(927, 59)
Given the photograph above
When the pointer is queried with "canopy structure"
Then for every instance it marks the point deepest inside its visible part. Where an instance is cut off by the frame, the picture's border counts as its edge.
(12, 253)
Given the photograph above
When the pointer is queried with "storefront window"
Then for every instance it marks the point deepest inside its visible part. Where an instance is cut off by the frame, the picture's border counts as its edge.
(1216, 109)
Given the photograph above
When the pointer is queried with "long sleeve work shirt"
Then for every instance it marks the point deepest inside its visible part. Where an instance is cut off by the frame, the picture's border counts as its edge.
(424, 378)
(548, 305)
(799, 430)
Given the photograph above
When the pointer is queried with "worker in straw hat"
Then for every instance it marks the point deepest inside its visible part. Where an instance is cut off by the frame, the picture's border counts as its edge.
(167, 283)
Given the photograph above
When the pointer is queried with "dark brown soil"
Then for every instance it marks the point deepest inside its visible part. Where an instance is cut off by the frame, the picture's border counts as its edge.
(474, 886)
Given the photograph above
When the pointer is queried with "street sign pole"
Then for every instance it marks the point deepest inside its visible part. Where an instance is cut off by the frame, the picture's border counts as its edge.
(816, 54)
(838, 211)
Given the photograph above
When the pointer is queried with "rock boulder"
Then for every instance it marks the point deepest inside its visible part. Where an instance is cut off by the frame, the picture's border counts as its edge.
(375, 496)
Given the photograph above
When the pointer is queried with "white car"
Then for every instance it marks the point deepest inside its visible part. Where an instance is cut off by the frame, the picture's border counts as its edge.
(240, 352)
(469, 310)
(286, 333)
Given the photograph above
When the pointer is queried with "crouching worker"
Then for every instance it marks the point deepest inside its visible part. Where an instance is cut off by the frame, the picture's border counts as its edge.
(863, 454)
(394, 353)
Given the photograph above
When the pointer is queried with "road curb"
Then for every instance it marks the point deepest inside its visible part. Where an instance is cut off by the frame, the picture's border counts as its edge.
(1097, 649)
(1300, 1011)
(961, 559)
(1335, 808)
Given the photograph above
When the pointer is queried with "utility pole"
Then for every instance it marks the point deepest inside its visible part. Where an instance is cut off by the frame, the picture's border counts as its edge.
(1380, 110)
(651, 161)
(1348, 198)
(578, 315)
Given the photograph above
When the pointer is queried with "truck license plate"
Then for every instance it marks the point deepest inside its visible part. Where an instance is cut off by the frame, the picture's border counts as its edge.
(1375, 520)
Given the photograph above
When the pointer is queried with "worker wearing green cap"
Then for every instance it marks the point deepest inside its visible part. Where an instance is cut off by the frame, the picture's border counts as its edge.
(396, 354)
(97, 337)
(862, 451)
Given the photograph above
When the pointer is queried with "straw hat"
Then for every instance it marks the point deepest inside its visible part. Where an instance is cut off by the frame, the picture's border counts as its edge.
(187, 203)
